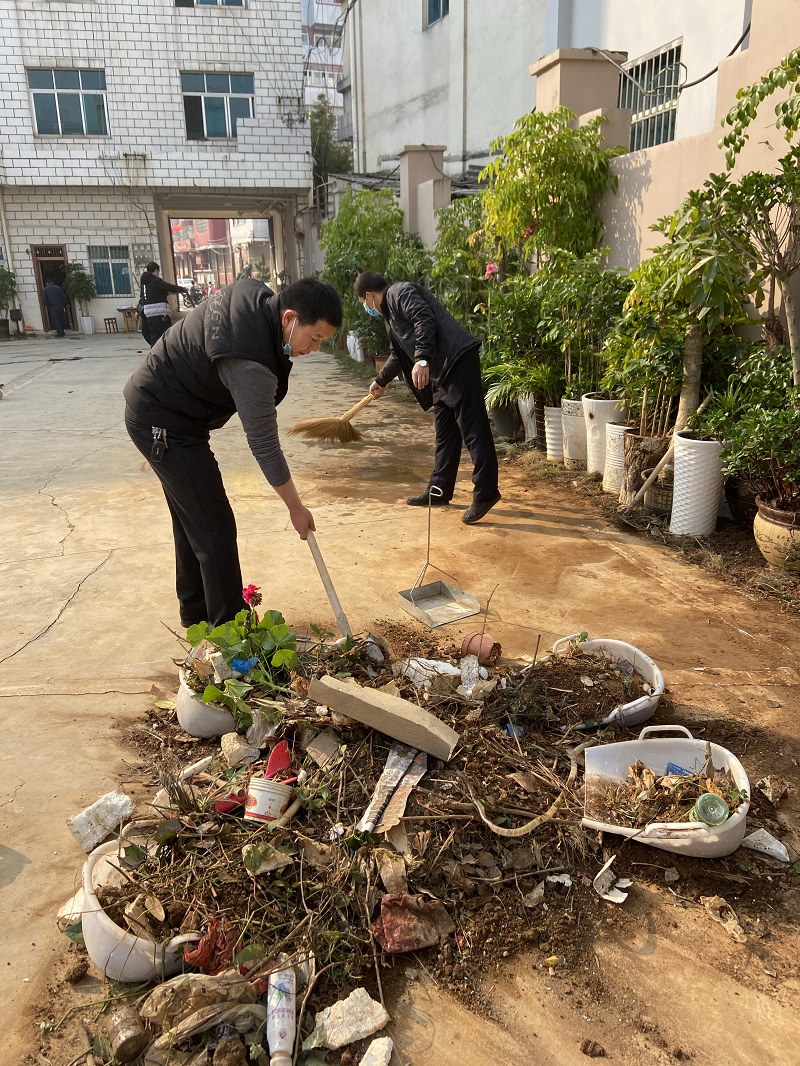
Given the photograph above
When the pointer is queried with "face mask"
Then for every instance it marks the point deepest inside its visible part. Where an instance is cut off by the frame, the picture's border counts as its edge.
(373, 312)
(287, 348)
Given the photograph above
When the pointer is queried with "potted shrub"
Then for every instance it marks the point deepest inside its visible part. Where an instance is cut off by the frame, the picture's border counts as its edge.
(80, 286)
(8, 294)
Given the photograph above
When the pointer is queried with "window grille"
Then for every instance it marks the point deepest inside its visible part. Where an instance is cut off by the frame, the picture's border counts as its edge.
(214, 103)
(649, 89)
(436, 9)
(111, 267)
(69, 103)
(212, 3)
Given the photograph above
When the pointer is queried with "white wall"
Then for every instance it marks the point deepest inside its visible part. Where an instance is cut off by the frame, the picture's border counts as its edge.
(709, 29)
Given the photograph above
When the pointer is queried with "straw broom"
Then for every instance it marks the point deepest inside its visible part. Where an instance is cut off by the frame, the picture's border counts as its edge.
(332, 430)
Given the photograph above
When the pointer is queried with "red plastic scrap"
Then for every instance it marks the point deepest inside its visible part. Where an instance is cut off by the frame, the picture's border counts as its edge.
(408, 923)
(214, 952)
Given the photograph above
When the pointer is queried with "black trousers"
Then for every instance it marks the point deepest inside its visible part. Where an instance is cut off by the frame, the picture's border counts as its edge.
(155, 328)
(58, 316)
(208, 577)
(460, 418)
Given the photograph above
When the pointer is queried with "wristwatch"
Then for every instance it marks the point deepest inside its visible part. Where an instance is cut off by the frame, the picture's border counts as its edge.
(422, 362)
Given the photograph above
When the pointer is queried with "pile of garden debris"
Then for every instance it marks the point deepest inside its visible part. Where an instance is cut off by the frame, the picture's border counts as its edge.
(431, 819)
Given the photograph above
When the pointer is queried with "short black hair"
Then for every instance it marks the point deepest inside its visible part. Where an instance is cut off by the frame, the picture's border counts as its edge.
(151, 267)
(369, 281)
(312, 300)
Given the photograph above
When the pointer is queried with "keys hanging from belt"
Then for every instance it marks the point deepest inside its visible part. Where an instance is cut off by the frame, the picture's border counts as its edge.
(159, 444)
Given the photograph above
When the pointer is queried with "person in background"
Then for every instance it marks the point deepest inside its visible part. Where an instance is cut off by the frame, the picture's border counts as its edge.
(231, 355)
(155, 310)
(440, 361)
(56, 301)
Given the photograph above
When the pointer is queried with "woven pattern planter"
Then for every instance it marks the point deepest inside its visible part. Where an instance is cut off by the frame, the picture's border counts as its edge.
(574, 427)
(698, 485)
(614, 469)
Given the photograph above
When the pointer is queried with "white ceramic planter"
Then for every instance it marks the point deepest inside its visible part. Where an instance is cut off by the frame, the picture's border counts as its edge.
(608, 764)
(526, 412)
(617, 651)
(614, 469)
(116, 952)
(597, 414)
(554, 433)
(200, 719)
(574, 426)
(87, 324)
(698, 485)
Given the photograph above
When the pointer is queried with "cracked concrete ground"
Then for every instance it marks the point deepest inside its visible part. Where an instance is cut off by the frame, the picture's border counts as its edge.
(86, 581)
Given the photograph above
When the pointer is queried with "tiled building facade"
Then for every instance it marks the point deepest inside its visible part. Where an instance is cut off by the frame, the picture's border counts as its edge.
(115, 118)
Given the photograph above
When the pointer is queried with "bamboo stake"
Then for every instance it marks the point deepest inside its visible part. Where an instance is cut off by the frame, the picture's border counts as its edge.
(643, 419)
(667, 414)
(657, 410)
(663, 461)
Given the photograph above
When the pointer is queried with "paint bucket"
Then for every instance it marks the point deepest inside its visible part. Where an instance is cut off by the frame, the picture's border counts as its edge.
(266, 800)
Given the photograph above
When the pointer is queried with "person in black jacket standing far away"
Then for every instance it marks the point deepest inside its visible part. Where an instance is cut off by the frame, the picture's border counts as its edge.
(232, 354)
(155, 310)
(440, 361)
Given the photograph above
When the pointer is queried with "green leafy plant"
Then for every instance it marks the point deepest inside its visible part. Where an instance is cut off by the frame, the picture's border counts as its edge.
(750, 98)
(79, 285)
(329, 156)
(458, 268)
(8, 290)
(546, 182)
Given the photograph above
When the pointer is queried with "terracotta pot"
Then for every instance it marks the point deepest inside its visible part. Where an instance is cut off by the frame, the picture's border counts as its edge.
(777, 535)
(486, 649)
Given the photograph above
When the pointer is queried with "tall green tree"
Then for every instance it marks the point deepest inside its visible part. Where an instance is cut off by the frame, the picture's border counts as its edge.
(545, 184)
(329, 156)
(787, 111)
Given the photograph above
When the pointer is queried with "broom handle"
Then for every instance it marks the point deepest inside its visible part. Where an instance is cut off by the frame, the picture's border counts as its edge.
(354, 410)
(341, 619)
(665, 458)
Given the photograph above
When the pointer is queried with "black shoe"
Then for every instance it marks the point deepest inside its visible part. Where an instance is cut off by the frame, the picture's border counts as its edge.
(424, 500)
(476, 511)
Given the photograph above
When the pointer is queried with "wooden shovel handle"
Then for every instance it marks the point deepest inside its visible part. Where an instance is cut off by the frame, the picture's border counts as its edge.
(354, 410)
(341, 618)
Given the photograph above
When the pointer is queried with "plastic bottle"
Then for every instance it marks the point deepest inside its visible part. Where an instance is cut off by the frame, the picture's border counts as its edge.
(281, 1016)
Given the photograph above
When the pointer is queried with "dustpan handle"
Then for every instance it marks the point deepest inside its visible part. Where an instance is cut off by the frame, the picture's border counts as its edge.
(354, 410)
(333, 599)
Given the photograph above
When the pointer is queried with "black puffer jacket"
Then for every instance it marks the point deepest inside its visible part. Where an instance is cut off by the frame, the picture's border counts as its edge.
(421, 328)
(177, 387)
(154, 290)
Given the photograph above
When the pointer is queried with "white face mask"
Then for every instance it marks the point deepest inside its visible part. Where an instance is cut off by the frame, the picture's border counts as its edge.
(287, 348)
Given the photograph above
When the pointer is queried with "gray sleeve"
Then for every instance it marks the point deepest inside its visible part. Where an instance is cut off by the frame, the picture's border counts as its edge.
(253, 388)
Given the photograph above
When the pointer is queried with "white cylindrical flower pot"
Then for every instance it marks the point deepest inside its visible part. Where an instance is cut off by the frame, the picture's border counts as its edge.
(526, 406)
(554, 433)
(597, 413)
(698, 485)
(574, 434)
(614, 470)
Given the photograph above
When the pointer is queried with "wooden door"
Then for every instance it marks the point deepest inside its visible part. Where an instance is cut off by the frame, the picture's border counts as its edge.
(48, 263)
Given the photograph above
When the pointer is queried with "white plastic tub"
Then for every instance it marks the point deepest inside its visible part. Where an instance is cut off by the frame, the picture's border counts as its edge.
(200, 719)
(638, 710)
(116, 952)
(609, 764)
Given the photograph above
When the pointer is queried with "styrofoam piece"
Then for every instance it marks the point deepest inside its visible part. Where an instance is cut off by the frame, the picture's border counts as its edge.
(200, 719)
(638, 710)
(101, 818)
(766, 844)
(421, 672)
(116, 952)
(608, 764)
(574, 430)
(614, 469)
(598, 412)
(554, 432)
(697, 486)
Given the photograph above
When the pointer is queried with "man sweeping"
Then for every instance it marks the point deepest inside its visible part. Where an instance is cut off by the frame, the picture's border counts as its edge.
(230, 355)
(440, 361)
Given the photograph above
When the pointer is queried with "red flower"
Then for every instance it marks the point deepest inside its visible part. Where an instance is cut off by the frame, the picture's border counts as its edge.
(252, 595)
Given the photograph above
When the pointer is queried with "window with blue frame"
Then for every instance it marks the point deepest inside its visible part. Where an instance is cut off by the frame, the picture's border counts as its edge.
(111, 267)
(437, 9)
(69, 103)
(214, 103)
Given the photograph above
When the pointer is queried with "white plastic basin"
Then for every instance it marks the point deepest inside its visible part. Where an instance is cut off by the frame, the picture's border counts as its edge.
(116, 952)
(200, 719)
(608, 764)
(638, 710)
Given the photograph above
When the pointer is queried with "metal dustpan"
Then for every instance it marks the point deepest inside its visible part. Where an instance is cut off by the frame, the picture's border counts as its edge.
(438, 602)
